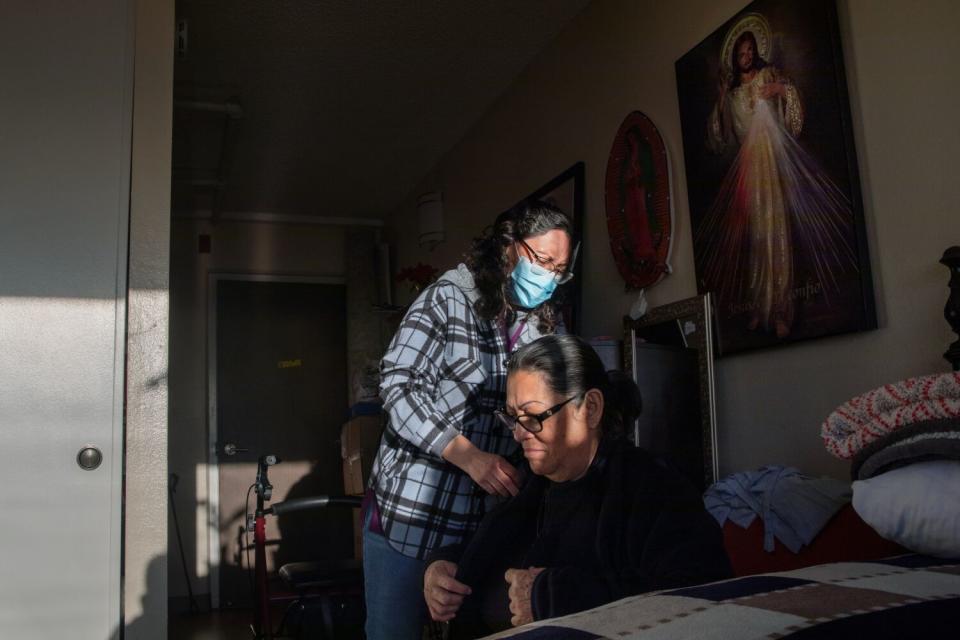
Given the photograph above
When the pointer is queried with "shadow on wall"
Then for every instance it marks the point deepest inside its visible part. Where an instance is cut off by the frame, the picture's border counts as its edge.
(324, 534)
(316, 535)
(147, 626)
(183, 509)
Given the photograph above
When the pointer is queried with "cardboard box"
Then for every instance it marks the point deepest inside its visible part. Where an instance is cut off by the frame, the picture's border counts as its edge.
(359, 440)
(353, 476)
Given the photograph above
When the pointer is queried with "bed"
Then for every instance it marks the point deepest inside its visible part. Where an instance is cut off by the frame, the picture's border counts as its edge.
(901, 597)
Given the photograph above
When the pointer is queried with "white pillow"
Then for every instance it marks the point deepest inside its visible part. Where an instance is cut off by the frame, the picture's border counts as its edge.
(917, 506)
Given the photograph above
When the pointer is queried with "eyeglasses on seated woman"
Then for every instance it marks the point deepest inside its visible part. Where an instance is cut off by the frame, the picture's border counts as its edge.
(531, 422)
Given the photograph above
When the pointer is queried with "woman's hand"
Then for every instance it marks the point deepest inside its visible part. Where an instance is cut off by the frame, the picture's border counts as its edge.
(443, 593)
(521, 587)
(494, 474)
(491, 472)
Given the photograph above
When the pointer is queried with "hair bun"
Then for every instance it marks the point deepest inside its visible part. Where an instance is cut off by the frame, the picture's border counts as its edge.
(624, 396)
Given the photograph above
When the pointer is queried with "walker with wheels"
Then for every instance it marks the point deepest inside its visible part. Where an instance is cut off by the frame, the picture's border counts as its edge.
(332, 589)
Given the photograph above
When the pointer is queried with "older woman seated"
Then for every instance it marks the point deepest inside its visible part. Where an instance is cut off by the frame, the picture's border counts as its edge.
(598, 520)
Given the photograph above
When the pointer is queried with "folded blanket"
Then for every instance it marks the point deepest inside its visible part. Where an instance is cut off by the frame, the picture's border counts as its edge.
(871, 416)
(918, 442)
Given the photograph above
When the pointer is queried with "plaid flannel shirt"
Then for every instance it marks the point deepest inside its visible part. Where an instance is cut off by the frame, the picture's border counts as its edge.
(442, 375)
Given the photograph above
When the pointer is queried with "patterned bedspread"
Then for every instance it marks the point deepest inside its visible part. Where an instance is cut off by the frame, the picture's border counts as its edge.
(908, 596)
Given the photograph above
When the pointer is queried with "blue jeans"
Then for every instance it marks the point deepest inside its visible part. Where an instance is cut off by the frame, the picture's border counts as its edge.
(393, 584)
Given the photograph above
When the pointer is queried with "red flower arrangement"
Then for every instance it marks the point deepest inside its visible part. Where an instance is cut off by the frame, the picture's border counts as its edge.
(419, 275)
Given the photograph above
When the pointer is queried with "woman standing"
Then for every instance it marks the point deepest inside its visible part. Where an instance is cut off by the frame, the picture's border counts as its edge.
(443, 455)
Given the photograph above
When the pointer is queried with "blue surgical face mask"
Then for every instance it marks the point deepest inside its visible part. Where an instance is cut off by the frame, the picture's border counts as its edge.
(532, 284)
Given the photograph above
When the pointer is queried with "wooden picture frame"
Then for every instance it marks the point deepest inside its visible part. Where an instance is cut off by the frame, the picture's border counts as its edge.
(772, 179)
(669, 352)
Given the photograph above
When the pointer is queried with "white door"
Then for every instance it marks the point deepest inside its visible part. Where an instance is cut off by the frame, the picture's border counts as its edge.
(65, 122)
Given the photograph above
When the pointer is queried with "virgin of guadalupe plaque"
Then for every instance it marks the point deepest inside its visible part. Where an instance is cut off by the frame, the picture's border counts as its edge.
(638, 204)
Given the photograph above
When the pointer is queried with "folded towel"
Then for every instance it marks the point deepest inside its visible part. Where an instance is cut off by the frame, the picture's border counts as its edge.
(871, 416)
(794, 507)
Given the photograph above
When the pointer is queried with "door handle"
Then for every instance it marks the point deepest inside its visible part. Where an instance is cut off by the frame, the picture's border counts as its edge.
(89, 458)
(231, 449)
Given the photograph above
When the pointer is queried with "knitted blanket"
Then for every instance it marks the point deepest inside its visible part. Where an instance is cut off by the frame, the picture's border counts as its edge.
(904, 597)
(871, 416)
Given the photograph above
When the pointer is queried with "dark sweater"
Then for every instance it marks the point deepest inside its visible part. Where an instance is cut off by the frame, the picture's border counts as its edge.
(630, 525)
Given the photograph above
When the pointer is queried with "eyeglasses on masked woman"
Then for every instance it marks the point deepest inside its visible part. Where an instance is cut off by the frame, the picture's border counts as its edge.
(561, 273)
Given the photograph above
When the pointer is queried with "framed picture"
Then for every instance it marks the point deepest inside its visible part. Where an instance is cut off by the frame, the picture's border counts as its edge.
(566, 193)
(772, 179)
(669, 353)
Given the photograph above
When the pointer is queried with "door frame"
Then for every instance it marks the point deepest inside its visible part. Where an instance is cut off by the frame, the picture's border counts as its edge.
(213, 464)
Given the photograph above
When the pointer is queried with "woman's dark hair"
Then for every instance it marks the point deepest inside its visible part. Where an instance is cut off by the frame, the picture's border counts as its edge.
(487, 259)
(571, 367)
(758, 62)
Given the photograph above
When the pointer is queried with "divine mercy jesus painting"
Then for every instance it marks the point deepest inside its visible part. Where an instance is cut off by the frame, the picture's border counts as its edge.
(773, 185)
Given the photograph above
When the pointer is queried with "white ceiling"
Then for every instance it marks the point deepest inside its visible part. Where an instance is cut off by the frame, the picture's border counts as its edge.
(346, 104)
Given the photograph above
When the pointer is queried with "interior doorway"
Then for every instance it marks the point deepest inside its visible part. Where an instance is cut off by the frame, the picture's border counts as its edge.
(277, 373)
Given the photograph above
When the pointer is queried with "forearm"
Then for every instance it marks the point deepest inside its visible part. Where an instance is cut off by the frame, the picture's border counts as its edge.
(415, 416)
(461, 453)
(416, 374)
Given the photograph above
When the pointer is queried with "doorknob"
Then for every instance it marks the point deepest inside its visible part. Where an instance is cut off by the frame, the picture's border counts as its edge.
(89, 458)
(231, 449)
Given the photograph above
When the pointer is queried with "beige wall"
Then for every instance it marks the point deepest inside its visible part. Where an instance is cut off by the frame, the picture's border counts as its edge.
(618, 56)
(237, 247)
(145, 514)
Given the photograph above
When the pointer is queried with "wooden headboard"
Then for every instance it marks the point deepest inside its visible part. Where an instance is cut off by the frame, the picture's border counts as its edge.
(951, 258)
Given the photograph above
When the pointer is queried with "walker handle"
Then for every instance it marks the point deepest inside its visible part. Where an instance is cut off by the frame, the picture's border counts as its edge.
(313, 502)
